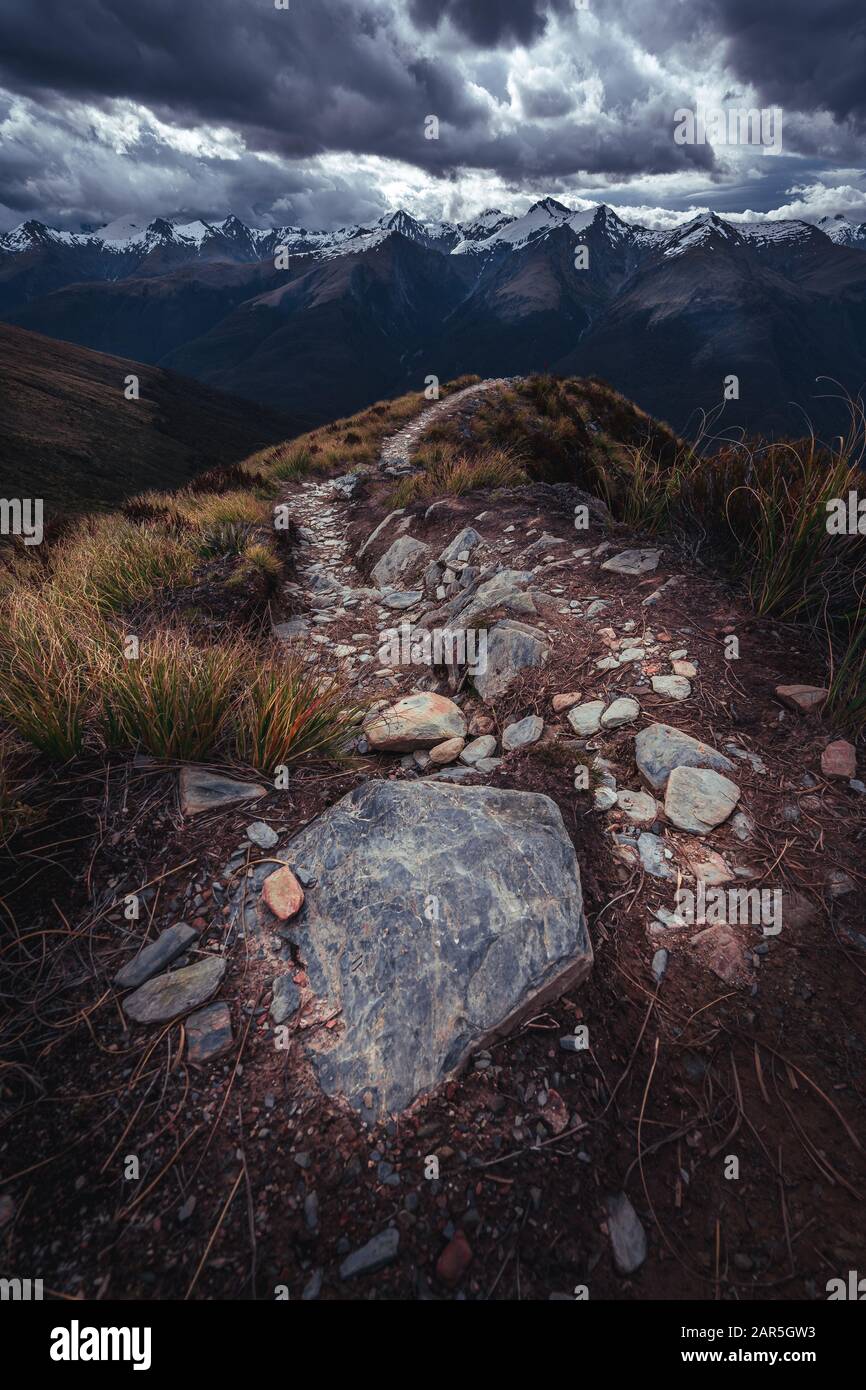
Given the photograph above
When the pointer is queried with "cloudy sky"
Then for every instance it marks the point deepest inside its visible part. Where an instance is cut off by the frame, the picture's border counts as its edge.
(315, 114)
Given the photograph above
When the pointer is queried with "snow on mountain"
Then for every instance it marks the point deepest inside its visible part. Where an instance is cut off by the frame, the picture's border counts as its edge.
(492, 231)
(843, 231)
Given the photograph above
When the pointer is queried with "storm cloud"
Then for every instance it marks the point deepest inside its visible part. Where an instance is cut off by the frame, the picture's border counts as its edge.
(320, 113)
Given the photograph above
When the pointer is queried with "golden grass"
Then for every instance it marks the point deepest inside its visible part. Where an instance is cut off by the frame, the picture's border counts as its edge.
(285, 713)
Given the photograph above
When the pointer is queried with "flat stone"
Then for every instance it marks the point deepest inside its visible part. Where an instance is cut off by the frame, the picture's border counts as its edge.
(512, 647)
(803, 698)
(466, 540)
(684, 668)
(400, 598)
(627, 1235)
(290, 629)
(153, 959)
(479, 748)
(723, 955)
(639, 807)
(487, 764)
(839, 759)
(376, 1254)
(286, 998)
(422, 720)
(565, 701)
(521, 734)
(209, 1034)
(446, 752)
(674, 687)
(633, 562)
(586, 718)
(383, 525)
(604, 798)
(654, 861)
(660, 748)
(403, 557)
(699, 799)
(208, 791)
(417, 991)
(622, 711)
(169, 996)
(282, 893)
(262, 835)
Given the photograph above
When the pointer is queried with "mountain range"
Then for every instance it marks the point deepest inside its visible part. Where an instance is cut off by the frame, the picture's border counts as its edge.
(318, 324)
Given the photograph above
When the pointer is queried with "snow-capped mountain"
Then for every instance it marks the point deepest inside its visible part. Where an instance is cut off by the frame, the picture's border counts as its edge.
(845, 233)
(321, 323)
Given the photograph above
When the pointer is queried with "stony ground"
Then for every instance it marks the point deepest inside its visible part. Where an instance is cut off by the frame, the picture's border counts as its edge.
(688, 1121)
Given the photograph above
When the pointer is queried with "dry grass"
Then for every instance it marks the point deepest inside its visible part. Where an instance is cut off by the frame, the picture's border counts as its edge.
(446, 473)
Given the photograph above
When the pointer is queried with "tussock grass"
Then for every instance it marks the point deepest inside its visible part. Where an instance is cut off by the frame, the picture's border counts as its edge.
(111, 563)
(175, 701)
(286, 713)
(13, 811)
(46, 649)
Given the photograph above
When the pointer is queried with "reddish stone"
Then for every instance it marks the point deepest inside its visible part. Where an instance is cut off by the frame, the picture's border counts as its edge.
(454, 1260)
(839, 759)
(804, 698)
(282, 893)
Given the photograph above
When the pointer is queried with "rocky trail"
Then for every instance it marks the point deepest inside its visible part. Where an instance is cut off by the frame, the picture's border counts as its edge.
(557, 987)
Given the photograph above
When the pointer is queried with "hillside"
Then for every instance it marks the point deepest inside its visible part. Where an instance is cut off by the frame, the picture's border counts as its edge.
(413, 974)
(69, 436)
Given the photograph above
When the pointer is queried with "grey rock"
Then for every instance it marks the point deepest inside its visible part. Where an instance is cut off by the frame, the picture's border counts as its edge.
(699, 799)
(416, 997)
(313, 1286)
(585, 719)
(291, 628)
(660, 964)
(347, 484)
(512, 647)
(622, 711)
(169, 996)
(466, 540)
(521, 734)
(376, 1254)
(286, 1000)
(479, 748)
(660, 748)
(487, 764)
(604, 798)
(422, 720)
(627, 1235)
(209, 1034)
(207, 791)
(154, 958)
(633, 562)
(597, 607)
(674, 687)
(400, 598)
(383, 526)
(262, 835)
(403, 557)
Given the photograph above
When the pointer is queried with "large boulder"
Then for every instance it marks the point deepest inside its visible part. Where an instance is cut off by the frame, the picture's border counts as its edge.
(403, 558)
(511, 648)
(659, 748)
(422, 720)
(425, 934)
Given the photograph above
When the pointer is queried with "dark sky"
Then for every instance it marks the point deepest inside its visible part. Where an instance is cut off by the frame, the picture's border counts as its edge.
(315, 114)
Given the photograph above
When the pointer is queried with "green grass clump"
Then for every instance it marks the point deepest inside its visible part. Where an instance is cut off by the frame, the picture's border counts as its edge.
(286, 713)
